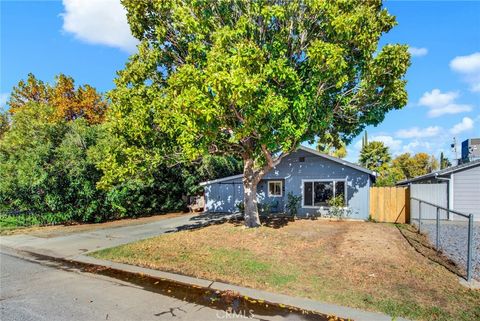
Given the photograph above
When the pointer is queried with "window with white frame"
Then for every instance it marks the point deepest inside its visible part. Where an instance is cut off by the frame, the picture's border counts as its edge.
(316, 193)
(275, 188)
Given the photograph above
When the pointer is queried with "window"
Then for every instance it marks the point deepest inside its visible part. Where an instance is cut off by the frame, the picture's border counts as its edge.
(301, 159)
(275, 188)
(317, 193)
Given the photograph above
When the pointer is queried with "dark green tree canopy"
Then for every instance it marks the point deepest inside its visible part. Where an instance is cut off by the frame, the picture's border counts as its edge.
(233, 76)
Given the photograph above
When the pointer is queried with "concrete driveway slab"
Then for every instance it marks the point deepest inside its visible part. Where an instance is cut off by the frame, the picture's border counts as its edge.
(71, 245)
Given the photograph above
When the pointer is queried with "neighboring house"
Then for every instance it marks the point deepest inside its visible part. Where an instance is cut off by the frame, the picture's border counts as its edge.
(314, 176)
(460, 188)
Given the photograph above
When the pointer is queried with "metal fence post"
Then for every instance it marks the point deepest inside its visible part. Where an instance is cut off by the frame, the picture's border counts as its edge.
(470, 248)
(419, 216)
(437, 243)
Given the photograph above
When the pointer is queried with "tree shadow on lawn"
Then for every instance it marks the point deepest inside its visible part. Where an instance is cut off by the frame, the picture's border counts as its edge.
(207, 219)
(275, 221)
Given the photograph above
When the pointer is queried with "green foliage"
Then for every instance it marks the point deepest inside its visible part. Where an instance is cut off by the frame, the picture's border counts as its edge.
(389, 176)
(416, 165)
(207, 168)
(50, 167)
(337, 208)
(68, 101)
(293, 203)
(375, 156)
(44, 167)
(444, 162)
(364, 140)
(265, 208)
(250, 79)
(4, 122)
(240, 207)
(332, 146)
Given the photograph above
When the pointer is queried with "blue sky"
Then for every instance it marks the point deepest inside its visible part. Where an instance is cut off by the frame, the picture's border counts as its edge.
(90, 41)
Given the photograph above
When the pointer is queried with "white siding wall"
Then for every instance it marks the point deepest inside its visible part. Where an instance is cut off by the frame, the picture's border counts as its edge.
(432, 193)
(466, 191)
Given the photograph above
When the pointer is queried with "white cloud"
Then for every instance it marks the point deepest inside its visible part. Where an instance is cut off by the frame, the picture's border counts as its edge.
(464, 125)
(417, 52)
(393, 144)
(416, 146)
(469, 67)
(99, 22)
(466, 64)
(442, 103)
(416, 132)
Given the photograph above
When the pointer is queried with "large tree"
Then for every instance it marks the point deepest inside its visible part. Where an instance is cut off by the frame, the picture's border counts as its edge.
(70, 102)
(375, 156)
(254, 79)
(416, 165)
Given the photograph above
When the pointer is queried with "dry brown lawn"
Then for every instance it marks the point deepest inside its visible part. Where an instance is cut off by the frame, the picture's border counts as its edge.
(359, 264)
(59, 230)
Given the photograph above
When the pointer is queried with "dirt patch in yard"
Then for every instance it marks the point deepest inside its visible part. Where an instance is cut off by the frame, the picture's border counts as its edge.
(359, 264)
(60, 230)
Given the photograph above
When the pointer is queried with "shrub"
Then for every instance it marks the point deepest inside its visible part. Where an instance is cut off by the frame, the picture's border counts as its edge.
(337, 208)
(293, 202)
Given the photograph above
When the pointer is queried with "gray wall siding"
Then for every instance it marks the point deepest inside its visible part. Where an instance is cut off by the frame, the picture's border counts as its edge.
(224, 196)
(466, 191)
(432, 193)
(219, 196)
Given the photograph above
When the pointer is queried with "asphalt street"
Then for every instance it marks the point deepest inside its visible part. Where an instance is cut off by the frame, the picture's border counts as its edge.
(32, 291)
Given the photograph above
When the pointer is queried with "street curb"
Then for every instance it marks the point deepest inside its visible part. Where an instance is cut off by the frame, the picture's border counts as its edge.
(259, 295)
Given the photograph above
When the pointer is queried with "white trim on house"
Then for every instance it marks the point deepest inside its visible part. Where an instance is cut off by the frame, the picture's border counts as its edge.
(219, 180)
(334, 180)
(268, 188)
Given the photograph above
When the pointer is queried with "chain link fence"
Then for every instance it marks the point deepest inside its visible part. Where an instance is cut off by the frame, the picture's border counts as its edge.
(453, 233)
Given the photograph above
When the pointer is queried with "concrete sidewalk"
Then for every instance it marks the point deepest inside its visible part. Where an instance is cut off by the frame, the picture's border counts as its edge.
(71, 245)
(74, 247)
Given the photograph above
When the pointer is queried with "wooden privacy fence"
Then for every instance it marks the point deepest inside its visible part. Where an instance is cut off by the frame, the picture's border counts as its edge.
(390, 204)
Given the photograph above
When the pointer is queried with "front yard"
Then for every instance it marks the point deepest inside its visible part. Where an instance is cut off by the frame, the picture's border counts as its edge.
(359, 264)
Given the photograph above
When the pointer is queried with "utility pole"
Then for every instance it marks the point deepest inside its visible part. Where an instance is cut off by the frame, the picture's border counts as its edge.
(454, 149)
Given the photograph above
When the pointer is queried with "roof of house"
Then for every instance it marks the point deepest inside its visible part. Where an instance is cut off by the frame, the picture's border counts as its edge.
(219, 180)
(308, 150)
(443, 172)
(338, 160)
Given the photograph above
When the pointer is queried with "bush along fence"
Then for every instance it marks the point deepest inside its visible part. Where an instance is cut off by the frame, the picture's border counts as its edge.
(452, 232)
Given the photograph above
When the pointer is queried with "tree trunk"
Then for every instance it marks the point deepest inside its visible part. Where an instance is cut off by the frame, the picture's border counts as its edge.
(250, 182)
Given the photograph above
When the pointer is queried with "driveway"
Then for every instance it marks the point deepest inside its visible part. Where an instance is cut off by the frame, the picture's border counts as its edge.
(69, 246)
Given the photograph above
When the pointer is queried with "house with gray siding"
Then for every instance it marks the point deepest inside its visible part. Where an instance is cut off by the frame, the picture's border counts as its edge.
(314, 176)
(462, 187)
